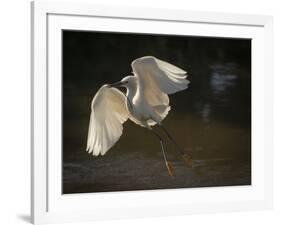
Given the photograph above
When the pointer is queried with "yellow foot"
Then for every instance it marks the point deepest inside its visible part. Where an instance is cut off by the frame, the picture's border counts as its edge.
(170, 169)
(188, 160)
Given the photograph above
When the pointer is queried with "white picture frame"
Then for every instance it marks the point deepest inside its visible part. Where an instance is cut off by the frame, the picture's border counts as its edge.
(47, 203)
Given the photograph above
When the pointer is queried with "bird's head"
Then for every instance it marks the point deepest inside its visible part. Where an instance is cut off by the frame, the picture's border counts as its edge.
(126, 82)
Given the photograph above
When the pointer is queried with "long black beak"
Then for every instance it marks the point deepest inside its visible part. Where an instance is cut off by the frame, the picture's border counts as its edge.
(117, 84)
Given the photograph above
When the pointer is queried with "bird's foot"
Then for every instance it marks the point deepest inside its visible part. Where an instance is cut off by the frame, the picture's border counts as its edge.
(170, 169)
(188, 160)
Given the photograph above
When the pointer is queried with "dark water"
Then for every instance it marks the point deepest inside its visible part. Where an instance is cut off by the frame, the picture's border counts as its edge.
(211, 120)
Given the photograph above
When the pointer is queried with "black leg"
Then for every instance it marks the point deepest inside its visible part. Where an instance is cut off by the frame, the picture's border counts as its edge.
(172, 139)
(168, 164)
(186, 157)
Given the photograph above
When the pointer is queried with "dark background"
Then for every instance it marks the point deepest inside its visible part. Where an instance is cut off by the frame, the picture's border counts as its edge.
(211, 120)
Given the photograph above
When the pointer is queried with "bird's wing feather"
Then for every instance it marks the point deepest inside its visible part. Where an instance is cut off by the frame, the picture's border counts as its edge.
(108, 113)
(157, 79)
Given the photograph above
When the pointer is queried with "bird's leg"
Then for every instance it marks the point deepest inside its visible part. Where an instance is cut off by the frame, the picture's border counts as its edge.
(187, 158)
(167, 163)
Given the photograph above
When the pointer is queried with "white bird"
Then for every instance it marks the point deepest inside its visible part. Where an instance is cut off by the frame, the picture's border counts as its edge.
(146, 103)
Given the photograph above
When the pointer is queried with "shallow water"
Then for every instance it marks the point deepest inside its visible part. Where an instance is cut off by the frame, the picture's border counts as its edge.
(218, 160)
(135, 172)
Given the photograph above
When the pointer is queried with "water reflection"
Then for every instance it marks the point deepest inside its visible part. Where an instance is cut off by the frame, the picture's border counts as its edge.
(205, 112)
(222, 78)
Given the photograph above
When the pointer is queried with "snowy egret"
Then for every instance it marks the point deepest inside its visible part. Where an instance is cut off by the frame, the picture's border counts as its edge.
(146, 103)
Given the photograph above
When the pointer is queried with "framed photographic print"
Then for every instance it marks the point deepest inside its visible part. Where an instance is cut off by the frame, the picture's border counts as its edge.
(142, 112)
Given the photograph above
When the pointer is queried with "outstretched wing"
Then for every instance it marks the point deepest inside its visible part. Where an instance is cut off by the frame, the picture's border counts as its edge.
(157, 79)
(108, 114)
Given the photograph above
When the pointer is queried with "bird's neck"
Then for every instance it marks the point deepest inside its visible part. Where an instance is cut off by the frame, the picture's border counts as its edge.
(130, 94)
(131, 91)
(129, 99)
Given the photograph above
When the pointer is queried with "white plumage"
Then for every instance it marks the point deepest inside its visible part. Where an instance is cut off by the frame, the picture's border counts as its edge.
(146, 102)
(108, 114)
